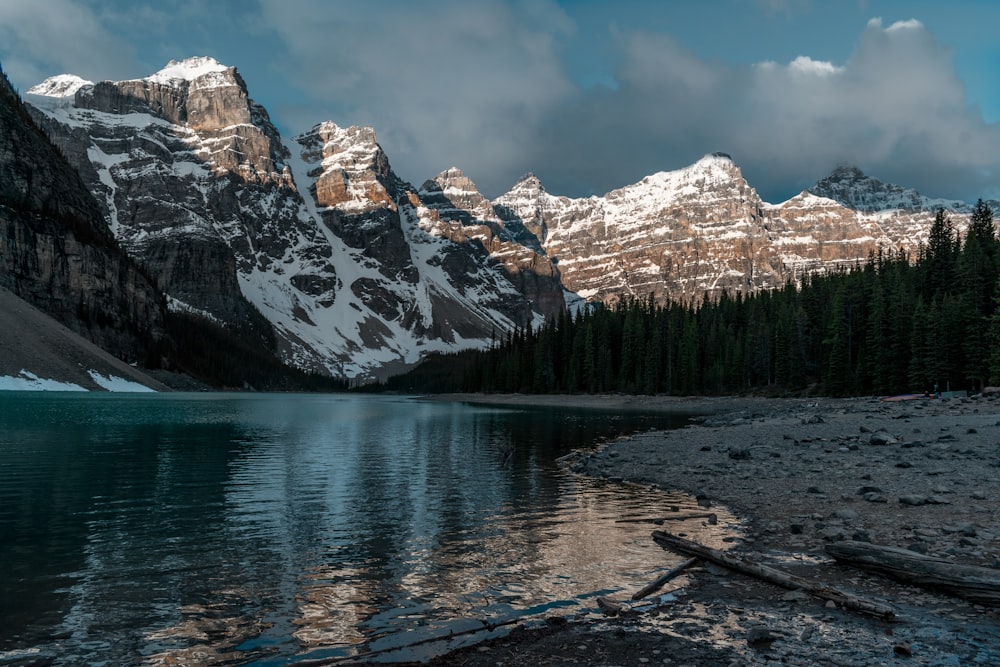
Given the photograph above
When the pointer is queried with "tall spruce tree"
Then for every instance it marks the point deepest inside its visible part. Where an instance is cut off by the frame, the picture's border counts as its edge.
(940, 264)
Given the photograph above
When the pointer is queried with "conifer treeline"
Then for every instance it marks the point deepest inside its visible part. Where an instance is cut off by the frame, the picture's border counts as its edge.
(889, 326)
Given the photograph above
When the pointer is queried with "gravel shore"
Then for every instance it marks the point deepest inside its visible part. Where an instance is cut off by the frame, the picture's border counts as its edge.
(920, 474)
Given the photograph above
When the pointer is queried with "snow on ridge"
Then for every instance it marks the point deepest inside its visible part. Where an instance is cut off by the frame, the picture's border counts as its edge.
(805, 199)
(188, 69)
(716, 158)
(61, 85)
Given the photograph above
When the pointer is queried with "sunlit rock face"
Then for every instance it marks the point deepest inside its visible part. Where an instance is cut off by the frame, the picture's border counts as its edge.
(673, 235)
(895, 216)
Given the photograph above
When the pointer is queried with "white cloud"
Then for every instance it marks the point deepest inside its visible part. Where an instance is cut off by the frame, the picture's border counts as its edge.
(911, 24)
(808, 66)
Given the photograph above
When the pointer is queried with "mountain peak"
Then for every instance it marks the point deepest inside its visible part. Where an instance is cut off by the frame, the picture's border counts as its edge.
(455, 196)
(711, 171)
(528, 180)
(454, 183)
(61, 85)
(188, 69)
(851, 187)
(846, 172)
(355, 135)
(716, 160)
(455, 178)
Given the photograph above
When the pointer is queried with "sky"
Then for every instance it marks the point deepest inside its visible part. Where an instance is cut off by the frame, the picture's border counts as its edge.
(588, 95)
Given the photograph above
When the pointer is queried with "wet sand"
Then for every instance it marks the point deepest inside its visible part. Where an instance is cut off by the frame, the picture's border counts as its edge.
(802, 473)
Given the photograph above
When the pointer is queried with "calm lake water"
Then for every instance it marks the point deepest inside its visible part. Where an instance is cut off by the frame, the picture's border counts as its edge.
(152, 529)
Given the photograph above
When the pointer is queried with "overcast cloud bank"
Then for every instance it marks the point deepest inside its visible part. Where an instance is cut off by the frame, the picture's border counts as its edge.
(487, 87)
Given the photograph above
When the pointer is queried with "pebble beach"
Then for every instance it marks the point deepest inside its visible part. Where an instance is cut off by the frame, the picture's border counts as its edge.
(803, 473)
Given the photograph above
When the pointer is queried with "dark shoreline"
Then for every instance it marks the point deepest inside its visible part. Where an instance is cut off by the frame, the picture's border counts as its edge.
(793, 468)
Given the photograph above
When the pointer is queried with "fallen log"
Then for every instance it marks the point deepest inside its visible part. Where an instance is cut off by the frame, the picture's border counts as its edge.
(978, 584)
(773, 575)
(661, 581)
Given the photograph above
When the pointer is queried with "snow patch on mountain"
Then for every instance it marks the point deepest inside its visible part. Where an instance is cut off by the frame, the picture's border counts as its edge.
(28, 381)
(188, 69)
(61, 85)
(117, 384)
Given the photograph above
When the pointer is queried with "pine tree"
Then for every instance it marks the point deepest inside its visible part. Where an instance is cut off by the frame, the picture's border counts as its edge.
(590, 379)
(981, 224)
(940, 262)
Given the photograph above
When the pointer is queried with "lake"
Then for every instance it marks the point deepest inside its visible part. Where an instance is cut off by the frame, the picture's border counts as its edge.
(149, 529)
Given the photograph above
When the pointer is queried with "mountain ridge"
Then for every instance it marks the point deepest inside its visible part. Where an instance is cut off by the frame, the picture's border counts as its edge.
(315, 240)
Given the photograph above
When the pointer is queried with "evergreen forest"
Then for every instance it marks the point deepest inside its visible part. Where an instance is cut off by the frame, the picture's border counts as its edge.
(894, 324)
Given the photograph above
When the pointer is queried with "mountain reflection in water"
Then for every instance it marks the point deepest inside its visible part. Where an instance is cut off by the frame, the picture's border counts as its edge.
(234, 529)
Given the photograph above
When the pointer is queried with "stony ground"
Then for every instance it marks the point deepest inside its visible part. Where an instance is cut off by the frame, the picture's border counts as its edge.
(32, 341)
(923, 475)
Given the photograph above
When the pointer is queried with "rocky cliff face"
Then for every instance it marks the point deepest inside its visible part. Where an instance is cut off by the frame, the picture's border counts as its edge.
(894, 216)
(56, 251)
(342, 277)
(190, 176)
(413, 274)
(458, 210)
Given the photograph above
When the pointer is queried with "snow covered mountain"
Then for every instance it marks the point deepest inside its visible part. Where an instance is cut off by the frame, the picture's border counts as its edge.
(315, 245)
(314, 242)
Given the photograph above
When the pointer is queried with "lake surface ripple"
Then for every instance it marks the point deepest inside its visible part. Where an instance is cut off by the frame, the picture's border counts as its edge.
(209, 529)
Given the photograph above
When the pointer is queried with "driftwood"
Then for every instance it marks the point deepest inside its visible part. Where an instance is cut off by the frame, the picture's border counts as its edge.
(656, 585)
(978, 584)
(773, 575)
(712, 517)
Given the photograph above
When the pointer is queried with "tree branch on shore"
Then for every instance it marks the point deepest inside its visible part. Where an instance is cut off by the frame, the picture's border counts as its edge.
(661, 581)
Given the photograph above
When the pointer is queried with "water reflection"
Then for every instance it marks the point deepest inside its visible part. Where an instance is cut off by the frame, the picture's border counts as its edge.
(231, 529)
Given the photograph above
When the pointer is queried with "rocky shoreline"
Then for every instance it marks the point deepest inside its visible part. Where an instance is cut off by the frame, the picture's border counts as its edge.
(921, 474)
